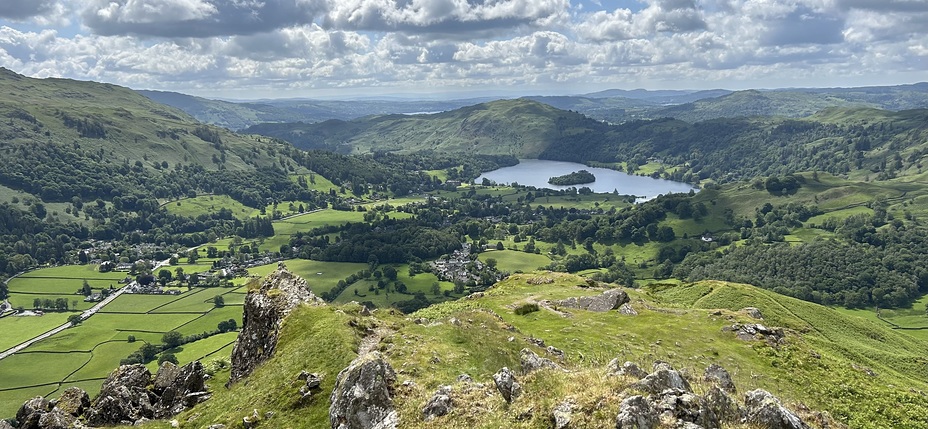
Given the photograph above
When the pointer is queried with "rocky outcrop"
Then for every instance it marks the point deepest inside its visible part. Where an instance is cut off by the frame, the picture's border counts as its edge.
(439, 405)
(178, 388)
(608, 300)
(764, 410)
(312, 384)
(723, 406)
(531, 362)
(717, 375)
(124, 397)
(753, 312)
(363, 395)
(635, 413)
(73, 401)
(562, 414)
(685, 407)
(264, 311)
(627, 310)
(756, 331)
(507, 385)
(664, 377)
(628, 369)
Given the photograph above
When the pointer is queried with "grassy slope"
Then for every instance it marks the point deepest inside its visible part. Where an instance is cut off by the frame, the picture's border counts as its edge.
(673, 325)
(512, 127)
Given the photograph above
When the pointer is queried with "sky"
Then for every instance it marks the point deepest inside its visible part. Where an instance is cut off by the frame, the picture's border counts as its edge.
(248, 49)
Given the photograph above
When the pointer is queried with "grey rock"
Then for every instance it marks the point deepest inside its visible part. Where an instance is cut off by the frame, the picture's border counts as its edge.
(662, 379)
(363, 395)
(311, 386)
(56, 420)
(718, 376)
(608, 300)
(686, 407)
(765, 411)
(753, 313)
(561, 415)
(217, 426)
(123, 397)
(627, 310)
(556, 352)
(635, 412)
(167, 372)
(185, 388)
(73, 401)
(29, 413)
(531, 362)
(464, 378)
(723, 406)
(5, 424)
(507, 385)
(264, 311)
(629, 369)
(439, 405)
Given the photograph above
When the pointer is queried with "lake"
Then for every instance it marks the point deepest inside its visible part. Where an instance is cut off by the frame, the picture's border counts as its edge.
(536, 172)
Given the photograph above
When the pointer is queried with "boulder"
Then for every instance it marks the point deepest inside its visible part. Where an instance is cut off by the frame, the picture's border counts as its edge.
(723, 406)
(5, 424)
(753, 312)
(124, 397)
(685, 407)
(311, 385)
(531, 362)
(57, 420)
(764, 411)
(185, 388)
(628, 369)
(264, 311)
(663, 378)
(73, 401)
(627, 310)
(507, 385)
(439, 405)
(718, 376)
(562, 414)
(363, 395)
(635, 412)
(608, 300)
(29, 413)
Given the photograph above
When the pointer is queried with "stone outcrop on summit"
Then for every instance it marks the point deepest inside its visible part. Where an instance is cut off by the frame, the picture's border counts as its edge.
(264, 311)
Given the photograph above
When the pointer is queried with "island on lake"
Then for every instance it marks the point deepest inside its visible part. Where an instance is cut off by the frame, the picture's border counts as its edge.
(575, 178)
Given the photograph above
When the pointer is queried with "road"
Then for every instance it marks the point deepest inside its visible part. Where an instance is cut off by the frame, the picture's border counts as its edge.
(84, 316)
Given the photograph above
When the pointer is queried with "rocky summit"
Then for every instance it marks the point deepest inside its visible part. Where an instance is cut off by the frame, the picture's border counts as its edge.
(265, 309)
(129, 396)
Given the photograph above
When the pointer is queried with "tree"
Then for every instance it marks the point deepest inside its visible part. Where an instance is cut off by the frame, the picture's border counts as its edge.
(172, 339)
(499, 245)
(148, 352)
(179, 273)
(389, 272)
(167, 357)
(491, 262)
(164, 276)
(86, 290)
(436, 288)
(219, 301)
(37, 303)
(75, 319)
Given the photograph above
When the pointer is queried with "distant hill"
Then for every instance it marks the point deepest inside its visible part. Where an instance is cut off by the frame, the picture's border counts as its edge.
(240, 115)
(522, 127)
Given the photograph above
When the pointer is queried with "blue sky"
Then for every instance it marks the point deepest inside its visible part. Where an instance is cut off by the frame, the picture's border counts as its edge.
(348, 48)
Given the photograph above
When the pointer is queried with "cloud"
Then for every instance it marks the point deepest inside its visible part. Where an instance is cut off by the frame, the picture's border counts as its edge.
(24, 9)
(442, 16)
(197, 18)
(803, 26)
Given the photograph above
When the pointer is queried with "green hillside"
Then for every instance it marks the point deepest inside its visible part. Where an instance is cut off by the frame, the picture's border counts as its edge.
(522, 128)
(824, 363)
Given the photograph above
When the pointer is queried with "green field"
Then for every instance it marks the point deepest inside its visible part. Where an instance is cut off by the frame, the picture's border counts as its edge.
(321, 276)
(513, 261)
(209, 204)
(132, 303)
(18, 329)
(421, 282)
